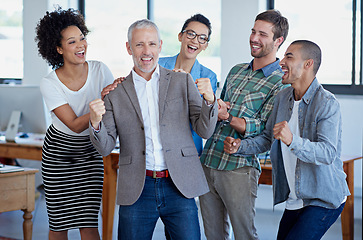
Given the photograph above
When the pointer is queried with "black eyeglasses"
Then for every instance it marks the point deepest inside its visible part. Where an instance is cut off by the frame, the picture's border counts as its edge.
(202, 38)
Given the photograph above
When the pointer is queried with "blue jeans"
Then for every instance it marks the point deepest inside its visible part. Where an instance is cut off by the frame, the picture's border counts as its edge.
(307, 223)
(159, 198)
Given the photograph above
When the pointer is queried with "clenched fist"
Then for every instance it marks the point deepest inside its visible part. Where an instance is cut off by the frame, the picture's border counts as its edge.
(231, 144)
(97, 109)
(282, 132)
(205, 89)
(223, 109)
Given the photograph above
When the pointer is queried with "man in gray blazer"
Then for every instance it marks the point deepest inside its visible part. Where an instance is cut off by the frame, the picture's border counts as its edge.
(150, 111)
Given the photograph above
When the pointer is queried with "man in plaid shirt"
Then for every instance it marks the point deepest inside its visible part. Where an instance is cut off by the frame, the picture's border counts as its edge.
(246, 103)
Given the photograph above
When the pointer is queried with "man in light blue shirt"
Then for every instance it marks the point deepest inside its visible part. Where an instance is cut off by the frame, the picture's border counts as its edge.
(194, 38)
(304, 130)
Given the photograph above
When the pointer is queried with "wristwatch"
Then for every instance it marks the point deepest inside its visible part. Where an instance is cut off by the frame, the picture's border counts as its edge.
(229, 119)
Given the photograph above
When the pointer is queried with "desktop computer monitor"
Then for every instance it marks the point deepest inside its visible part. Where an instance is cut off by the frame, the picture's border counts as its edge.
(23, 106)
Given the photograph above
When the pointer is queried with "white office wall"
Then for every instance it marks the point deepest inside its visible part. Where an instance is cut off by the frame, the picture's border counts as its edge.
(34, 66)
(352, 135)
(237, 21)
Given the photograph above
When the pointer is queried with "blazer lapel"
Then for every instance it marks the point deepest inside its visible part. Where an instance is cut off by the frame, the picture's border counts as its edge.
(129, 87)
(163, 89)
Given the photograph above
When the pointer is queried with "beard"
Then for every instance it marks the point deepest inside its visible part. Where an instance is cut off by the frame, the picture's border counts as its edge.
(139, 65)
(265, 50)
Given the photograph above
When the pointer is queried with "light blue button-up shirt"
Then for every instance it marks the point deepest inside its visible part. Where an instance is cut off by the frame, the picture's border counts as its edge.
(319, 176)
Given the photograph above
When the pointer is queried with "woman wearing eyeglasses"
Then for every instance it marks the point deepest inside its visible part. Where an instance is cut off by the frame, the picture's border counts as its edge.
(194, 38)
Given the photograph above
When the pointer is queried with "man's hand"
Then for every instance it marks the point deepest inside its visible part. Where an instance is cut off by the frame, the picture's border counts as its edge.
(179, 70)
(111, 87)
(223, 109)
(205, 89)
(97, 109)
(231, 145)
(282, 132)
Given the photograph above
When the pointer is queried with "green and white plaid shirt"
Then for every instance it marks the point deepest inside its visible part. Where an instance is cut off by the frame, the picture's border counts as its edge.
(251, 95)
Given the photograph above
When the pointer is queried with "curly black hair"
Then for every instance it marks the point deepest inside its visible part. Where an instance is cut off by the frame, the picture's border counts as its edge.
(48, 33)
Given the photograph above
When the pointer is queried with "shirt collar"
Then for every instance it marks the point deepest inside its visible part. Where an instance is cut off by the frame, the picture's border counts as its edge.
(311, 91)
(269, 69)
(155, 75)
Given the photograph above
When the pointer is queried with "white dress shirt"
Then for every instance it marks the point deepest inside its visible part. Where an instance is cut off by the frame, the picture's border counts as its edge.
(148, 96)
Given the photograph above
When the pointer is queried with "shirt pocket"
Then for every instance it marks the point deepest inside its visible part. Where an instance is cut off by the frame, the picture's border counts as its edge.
(124, 160)
(189, 152)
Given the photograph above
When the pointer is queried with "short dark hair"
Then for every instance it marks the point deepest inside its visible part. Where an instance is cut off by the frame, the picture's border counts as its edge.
(281, 25)
(310, 50)
(198, 18)
(48, 33)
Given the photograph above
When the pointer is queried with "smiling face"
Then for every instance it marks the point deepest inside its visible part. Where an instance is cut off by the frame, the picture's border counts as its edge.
(261, 40)
(145, 48)
(292, 65)
(73, 46)
(190, 48)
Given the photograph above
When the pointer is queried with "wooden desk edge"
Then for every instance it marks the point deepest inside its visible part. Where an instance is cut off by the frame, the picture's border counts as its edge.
(22, 172)
(25, 151)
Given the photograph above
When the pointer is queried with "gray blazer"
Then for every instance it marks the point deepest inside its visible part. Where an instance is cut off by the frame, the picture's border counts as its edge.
(179, 105)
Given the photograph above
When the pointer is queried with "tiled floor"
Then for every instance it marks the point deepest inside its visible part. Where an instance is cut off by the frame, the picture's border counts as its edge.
(267, 221)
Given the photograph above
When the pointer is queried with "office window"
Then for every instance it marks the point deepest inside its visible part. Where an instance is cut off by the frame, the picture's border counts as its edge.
(171, 17)
(329, 24)
(108, 24)
(11, 39)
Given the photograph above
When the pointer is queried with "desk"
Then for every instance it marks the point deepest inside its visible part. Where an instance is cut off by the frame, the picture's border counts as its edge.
(26, 151)
(13, 150)
(17, 191)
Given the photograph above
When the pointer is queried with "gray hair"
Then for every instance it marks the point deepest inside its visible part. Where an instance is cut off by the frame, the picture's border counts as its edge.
(144, 23)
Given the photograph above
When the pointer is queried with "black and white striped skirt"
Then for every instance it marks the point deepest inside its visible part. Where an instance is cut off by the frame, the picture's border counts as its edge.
(73, 177)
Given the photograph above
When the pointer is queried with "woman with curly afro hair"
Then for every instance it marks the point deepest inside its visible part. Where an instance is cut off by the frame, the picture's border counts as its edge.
(72, 169)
